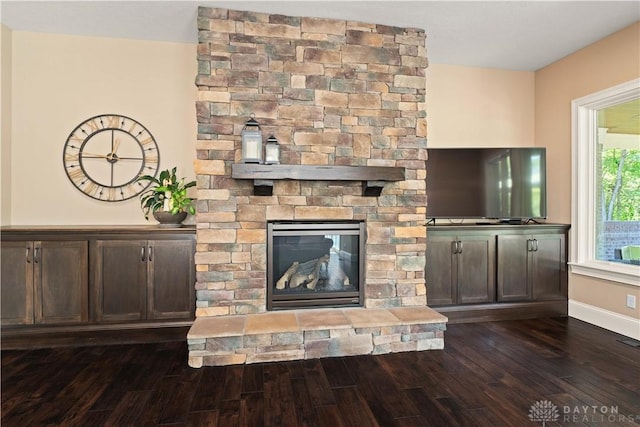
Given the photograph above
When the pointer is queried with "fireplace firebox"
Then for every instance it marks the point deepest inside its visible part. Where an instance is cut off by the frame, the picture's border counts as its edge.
(315, 264)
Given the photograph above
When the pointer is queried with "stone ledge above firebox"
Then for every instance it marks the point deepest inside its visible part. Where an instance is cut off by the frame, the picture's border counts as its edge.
(315, 333)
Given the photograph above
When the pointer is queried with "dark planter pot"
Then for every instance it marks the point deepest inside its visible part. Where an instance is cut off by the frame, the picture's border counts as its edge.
(167, 219)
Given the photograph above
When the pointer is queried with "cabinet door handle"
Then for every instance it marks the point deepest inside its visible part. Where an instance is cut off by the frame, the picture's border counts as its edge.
(142, 254)
(35, 255)
(150, 253)
(28, 254)
(535, 245)
(459, 247)
(529, 245)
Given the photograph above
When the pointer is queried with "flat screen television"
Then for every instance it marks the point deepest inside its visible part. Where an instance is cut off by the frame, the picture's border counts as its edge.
(507, 184)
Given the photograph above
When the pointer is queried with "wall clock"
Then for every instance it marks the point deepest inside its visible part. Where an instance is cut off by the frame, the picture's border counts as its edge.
(104, 156)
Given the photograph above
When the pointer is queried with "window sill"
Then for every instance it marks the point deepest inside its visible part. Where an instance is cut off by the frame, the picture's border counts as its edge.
(616, 272)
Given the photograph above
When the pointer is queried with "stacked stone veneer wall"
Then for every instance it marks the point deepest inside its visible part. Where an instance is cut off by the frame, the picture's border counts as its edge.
(333, 93)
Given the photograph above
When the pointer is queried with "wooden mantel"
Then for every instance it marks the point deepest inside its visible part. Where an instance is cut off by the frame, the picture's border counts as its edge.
(373, 177)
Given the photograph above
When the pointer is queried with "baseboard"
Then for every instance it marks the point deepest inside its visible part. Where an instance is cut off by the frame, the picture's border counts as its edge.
(615, 322)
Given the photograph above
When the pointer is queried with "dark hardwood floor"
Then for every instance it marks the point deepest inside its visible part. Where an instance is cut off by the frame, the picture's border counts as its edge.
(489, 374)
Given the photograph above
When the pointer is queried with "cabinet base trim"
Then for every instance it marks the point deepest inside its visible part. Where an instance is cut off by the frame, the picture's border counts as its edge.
(88, 335)
(503, 311)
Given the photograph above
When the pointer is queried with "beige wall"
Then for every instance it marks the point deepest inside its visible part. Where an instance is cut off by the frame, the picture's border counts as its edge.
(58, 82)
(601, 65)
(5, 125)
(61, 80)
(606, 63)
(479, 107)
(604, 295)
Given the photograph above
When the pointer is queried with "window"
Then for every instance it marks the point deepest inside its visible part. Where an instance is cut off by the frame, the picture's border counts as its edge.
(604, 180)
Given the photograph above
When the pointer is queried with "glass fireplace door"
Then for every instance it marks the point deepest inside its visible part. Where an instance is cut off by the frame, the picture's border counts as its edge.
(314, 264)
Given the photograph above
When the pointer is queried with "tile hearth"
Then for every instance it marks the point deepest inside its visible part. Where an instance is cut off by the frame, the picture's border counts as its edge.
(313, 333)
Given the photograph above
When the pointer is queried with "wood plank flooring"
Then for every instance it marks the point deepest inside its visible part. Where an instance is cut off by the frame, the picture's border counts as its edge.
(489, 374)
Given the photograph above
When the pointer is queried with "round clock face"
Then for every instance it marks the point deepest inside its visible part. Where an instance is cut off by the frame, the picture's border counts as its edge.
(105, 155)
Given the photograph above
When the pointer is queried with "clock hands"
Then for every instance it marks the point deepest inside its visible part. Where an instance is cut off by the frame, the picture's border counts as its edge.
(115, 147)
(112, 157)
(102, 156)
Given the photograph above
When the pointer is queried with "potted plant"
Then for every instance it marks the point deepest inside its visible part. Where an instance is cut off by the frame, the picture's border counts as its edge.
(166, 197)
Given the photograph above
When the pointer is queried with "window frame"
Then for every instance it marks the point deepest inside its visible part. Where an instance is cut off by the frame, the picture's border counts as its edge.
(584, 134)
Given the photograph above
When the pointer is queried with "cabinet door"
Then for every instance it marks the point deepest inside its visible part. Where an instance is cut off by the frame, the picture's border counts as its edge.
(16, 283)
(513, 268)
(120, 277)
(441, 270)
(548, 267)
(476, 269)
(171, 287)
(61, 273)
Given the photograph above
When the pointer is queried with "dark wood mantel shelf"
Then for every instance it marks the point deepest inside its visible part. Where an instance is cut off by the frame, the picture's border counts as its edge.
(373, 177)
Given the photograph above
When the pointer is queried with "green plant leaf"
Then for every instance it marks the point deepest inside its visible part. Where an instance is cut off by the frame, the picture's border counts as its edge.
(153, 198)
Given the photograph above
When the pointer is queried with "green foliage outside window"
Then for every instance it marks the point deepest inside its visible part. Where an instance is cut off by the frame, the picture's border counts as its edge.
(621, 184)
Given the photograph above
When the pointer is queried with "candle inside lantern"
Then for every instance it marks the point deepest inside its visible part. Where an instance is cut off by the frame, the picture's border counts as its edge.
(251, 142)
(272, 151)
(252, 148)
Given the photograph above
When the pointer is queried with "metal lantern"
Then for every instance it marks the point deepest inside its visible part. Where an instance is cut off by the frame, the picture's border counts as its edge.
(272, 151)
(251, 142)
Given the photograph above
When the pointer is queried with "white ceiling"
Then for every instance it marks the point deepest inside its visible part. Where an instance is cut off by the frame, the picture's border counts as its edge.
(513, 35)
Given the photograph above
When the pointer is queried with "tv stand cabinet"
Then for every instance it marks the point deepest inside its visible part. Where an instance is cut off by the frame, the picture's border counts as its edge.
(498, 271)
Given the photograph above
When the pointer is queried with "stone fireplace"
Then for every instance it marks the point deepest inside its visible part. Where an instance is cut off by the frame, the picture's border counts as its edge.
(346, 102)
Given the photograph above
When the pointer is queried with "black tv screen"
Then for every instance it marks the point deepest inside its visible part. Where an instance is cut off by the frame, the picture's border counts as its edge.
(493, 183)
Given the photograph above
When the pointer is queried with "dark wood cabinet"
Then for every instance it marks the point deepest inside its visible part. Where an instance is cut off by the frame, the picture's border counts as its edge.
(66, 282)
(532, 266)
(441, 270)
(144, 279)
(549, 273)
(519, 269)
(61, 282)
(16, 284)
(119, 282)
(513, 261)
(44, 282)
(460, 268)
(171, 279)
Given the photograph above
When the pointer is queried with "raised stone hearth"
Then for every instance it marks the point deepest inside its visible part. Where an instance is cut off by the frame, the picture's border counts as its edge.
(311, 334)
